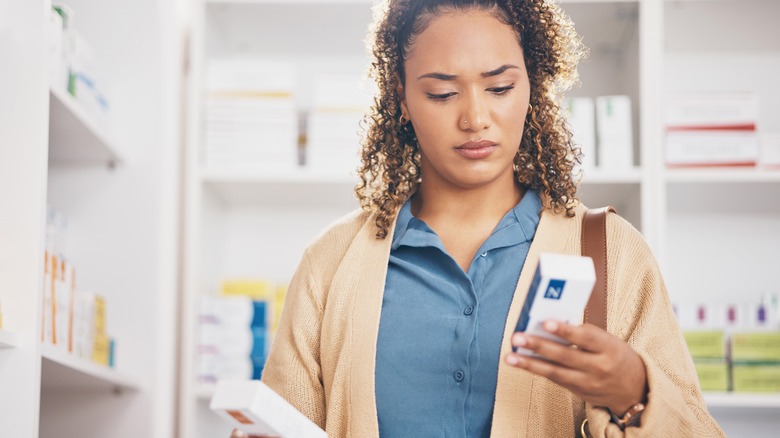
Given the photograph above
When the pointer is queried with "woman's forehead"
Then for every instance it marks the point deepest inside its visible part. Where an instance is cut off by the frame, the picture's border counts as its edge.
(464, 42)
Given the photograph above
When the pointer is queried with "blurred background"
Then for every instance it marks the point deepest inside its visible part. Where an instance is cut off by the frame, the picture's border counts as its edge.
(163, 164)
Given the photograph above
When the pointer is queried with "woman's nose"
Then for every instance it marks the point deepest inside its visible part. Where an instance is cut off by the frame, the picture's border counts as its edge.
(475, 115)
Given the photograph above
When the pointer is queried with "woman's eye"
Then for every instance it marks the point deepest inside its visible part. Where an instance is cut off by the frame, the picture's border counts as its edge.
(500, 91)
(444, 96)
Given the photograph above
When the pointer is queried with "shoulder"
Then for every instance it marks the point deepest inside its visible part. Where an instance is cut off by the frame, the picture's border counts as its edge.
(325, 253)
(339, 234)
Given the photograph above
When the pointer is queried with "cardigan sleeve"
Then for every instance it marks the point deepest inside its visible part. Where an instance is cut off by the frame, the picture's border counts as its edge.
(293, 367)
(641, 314)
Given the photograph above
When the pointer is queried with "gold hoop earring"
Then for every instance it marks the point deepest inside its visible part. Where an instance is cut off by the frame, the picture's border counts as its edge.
(403, 119)
(530, 108)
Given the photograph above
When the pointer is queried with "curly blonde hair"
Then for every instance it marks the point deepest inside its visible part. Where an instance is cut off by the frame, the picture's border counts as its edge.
(390, 167)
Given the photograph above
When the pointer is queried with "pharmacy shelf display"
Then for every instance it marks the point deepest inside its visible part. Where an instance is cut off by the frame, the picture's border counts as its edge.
(63, 371)
(66, 148)
(233, 216)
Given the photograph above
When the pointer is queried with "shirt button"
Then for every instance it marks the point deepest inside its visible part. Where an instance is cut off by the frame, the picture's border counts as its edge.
(468, 310)
(459, 375)
(484, 254)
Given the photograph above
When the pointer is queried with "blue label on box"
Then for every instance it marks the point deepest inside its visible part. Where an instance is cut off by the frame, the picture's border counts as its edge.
(555, 289)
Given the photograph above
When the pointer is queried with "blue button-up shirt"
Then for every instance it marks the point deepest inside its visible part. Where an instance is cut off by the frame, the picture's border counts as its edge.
(441, 329)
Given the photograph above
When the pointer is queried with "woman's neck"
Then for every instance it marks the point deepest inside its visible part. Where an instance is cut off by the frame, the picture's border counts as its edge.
(444, 203)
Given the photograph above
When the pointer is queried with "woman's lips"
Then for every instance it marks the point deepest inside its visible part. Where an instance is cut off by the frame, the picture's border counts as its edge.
(476, 150)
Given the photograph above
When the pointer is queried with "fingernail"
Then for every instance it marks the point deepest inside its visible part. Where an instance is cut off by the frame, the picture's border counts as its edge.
(511, 360)
(551, 326)
(520, 341)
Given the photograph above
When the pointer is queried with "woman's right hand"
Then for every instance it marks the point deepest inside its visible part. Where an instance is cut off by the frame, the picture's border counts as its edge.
(237, 433)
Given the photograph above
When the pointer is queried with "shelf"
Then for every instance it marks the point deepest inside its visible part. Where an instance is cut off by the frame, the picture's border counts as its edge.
(742, 400)
(300, 187)
(74, 137)
(7, 339)
(61, 370)
(722, 175)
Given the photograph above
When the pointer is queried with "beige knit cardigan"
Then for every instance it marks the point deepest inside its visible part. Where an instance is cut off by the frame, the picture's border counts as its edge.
(323, 358)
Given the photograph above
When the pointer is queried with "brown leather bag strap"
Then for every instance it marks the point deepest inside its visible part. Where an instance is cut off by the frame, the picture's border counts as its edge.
(594, 245)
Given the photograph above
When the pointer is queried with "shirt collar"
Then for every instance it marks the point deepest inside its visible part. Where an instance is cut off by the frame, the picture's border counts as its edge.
(517, 226)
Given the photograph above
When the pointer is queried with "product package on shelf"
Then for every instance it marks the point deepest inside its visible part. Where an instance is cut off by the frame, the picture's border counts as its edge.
(58, 66)
(581, 114)
(333, 140)
(735, 346)
(251, 116)
(226, 338)
(712, 129)
(706, 339)
(236, 331)
(59, 285)
(75, 67)
(615, 133)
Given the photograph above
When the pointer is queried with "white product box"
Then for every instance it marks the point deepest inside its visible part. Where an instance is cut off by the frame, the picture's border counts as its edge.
(615, 134)
(333, 144)
(581, 113)
(84, 324)
(212, 368)
(770, 151)
(226, 340)
(711, 148)
(256, 409)
(559, 291)
(63, 302)
(686, 111)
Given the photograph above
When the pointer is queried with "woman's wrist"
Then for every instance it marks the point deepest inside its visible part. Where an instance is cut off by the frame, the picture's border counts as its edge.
(639, 393)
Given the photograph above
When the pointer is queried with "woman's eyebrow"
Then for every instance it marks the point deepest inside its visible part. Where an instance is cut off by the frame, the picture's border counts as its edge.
(449, 77)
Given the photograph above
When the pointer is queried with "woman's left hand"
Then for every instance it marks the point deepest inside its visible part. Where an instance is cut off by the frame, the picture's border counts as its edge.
(598, 367)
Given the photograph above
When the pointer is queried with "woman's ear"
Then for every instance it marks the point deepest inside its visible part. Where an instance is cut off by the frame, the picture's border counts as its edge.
(401, 92)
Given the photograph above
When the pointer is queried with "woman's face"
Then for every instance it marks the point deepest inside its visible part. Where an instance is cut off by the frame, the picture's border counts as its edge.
(467, 95)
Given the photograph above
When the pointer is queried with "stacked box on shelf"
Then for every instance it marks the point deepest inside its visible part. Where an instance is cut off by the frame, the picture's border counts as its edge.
(581, 115)
(72, 320)
(225, 343)
(708, 350)
(333, 140)
(251, 117)
(707, 343)
(712, 129)
(755, 353)
(615, 133)
(75, 67)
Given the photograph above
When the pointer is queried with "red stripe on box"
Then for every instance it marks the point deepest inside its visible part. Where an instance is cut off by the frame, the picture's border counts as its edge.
(743, 128)
(707, 165)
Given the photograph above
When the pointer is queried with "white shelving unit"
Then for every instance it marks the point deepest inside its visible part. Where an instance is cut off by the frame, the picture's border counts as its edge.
(75, 137)
(732, 400)
(256, 225)
(63, 371)
(117, 185)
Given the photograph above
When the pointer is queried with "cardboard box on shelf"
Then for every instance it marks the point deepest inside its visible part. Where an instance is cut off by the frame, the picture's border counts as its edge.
(756, 377)
(615, 133)
(713, 374)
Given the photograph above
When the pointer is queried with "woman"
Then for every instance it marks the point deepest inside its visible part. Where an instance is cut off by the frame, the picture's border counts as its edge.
(400, 318)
